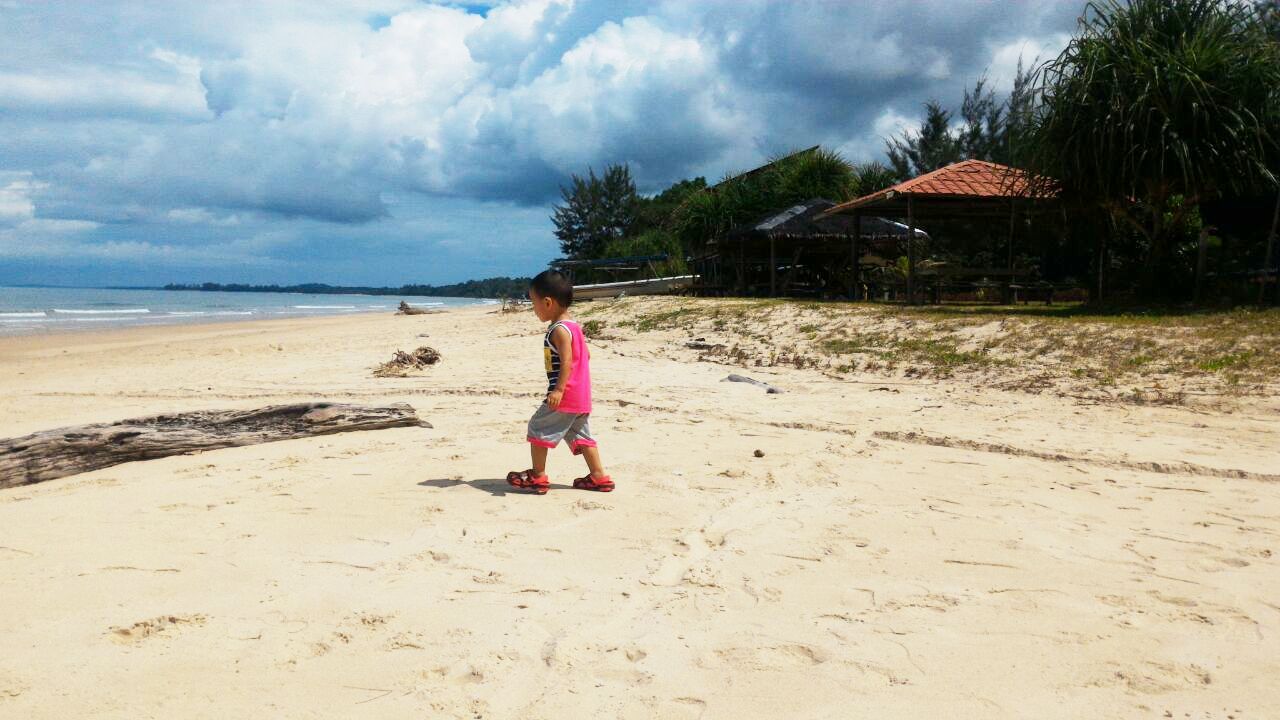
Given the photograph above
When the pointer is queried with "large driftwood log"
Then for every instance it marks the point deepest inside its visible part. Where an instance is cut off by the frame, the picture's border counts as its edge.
(58, 453)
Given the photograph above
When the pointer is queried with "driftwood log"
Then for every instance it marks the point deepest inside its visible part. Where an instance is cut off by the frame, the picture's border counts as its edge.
(58, 453)
(407, 309)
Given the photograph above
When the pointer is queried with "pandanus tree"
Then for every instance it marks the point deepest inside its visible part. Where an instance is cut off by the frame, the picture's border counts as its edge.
(1156, 106)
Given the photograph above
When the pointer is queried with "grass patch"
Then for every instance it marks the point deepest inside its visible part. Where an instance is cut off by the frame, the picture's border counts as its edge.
(1218, 363)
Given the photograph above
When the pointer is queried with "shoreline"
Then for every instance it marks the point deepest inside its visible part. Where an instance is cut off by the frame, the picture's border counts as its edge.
(93, 334)
(46, 311)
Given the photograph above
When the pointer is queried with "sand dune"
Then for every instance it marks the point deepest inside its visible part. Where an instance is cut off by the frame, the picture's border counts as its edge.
(904, 547)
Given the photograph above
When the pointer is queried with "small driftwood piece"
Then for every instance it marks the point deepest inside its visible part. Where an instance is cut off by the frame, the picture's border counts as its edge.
(769, 389)
(58, 453)
(403, 363)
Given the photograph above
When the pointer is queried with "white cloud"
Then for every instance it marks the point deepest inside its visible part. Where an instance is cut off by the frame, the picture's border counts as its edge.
(201, 216)
(16, 204)
(103, 92)
(1029, 50)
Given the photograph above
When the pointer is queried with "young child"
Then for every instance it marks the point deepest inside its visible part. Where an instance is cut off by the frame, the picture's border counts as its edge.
(565, 413)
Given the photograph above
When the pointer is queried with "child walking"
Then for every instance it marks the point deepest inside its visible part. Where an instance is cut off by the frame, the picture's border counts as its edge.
(566, 412)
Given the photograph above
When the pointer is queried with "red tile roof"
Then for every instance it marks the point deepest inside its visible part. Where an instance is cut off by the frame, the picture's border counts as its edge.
(968, 178)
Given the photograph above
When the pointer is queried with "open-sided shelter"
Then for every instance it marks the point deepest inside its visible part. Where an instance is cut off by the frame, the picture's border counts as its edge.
(967, 189)
(801, 250)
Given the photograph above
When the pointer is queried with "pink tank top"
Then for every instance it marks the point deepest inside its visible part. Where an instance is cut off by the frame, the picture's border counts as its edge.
(577, 391)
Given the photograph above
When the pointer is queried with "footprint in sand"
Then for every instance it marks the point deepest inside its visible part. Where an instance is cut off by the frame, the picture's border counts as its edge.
(776, 657)
(11, 687)
(155, 626)
(1151, 678)
(932, 601)
(1216, 564)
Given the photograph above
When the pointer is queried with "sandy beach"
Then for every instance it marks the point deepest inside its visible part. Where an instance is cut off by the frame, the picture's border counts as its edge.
(906, 547)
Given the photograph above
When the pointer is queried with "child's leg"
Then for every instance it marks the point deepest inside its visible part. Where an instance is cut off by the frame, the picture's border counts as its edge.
(581, 442)
(539, 459)
(591, 454)
(546, 428)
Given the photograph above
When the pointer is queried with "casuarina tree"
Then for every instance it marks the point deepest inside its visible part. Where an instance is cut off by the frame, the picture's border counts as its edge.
(596, 211)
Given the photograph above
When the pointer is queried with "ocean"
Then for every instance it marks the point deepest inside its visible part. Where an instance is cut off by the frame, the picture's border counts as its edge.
(25, 311)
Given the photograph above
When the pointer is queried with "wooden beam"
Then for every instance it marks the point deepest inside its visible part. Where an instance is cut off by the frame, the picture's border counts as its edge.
(67, 451)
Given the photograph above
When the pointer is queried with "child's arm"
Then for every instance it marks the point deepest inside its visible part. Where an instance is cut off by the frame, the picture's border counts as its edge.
(564, 345)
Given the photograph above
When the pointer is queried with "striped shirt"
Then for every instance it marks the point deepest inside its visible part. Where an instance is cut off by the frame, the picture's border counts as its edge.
(551, 356)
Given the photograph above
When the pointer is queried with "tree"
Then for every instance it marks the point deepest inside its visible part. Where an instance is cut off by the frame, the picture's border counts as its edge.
(872, 177)
(1018, 116)
(983, 133)
(739, 198)
(1155, 107)
(596, 210)
(656, 211)
(927, 149)
(1269, 14)
(819, 174)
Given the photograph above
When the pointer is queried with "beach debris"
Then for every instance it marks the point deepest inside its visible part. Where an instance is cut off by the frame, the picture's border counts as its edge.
(758, 453)
(407, 309)
(54, 454)
(403, 363)
(702, 344)
(769, 389)
(510, 305)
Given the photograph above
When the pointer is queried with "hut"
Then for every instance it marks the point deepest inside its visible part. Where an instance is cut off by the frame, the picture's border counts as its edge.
(802, 251)
(971, 189)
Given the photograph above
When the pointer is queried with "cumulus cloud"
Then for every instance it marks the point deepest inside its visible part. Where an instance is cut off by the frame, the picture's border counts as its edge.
(182, 132)
(16, 204)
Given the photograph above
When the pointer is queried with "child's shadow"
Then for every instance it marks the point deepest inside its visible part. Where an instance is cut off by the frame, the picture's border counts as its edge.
(497, 487)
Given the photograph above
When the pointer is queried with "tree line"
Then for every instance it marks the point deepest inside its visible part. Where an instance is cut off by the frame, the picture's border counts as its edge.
(495, 287)
(1158, 129)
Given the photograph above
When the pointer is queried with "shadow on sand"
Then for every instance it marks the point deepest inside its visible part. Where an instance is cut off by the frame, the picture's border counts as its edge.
(494, 486)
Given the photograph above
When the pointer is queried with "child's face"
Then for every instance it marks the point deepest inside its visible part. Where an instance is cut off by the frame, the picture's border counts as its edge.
(544, 307)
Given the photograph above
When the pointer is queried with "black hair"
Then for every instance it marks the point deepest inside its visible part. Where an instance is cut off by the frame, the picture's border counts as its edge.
(551, 284)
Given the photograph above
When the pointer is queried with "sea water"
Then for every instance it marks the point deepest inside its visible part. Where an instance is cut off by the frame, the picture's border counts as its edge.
(28, 310)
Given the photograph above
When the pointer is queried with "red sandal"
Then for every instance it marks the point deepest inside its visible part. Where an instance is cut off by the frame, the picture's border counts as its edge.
(604, 484)
(525, 479)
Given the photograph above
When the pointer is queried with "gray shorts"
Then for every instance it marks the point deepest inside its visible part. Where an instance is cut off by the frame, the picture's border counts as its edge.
(548, 427)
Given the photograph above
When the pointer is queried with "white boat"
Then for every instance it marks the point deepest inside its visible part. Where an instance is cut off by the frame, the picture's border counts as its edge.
(652, 286)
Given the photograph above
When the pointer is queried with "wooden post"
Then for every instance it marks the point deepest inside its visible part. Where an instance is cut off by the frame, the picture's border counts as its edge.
(1270, 253)
(855, 288)
(1007, 291)
(1012, 210)
(773, 267)
(911, 251)
(1202, 250)
(1102, 255)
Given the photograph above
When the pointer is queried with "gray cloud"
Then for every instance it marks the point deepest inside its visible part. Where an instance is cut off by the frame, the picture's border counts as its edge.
(224, 137)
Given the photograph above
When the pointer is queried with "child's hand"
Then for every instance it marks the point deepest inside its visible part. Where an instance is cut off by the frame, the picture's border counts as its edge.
(554, 397)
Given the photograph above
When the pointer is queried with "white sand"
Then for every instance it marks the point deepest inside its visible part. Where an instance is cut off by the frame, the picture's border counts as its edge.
(390, 574)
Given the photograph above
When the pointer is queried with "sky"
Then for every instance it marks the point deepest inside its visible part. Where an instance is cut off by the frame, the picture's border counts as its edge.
(383, 142)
